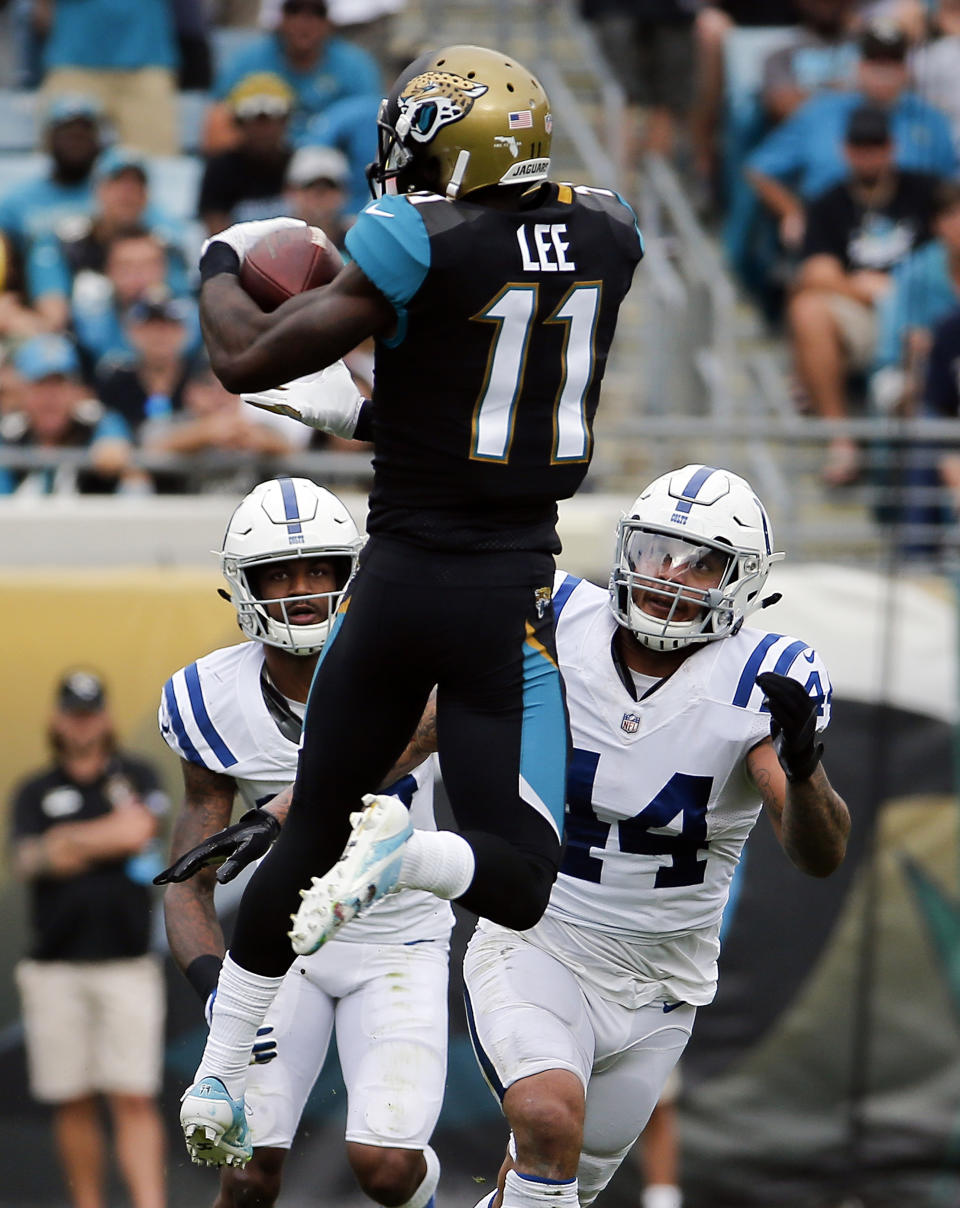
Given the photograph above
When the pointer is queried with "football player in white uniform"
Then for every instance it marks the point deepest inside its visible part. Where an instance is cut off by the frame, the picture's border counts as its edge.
(234, 717)
(684, 723)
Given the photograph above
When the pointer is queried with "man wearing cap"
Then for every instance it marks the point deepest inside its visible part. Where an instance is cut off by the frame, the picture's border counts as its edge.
(804, 156)
(319, 67)
(72, 136)
(92, 994)
(245, 182)
(316, 189)
(149, 383)
(56, 414)
(121, 203)
(856, 234)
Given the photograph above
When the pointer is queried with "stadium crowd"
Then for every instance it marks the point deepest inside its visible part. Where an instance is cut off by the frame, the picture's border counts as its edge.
(187, 118)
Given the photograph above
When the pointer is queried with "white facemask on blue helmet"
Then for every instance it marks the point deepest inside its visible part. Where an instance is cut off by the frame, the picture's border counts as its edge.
(696, 536)
(282, 519)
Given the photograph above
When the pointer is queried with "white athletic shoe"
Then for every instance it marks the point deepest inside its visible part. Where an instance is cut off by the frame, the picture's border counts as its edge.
(367, 870)
(214, 1125)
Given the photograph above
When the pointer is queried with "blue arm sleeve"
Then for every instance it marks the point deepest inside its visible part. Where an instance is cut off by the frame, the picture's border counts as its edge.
(390, 244)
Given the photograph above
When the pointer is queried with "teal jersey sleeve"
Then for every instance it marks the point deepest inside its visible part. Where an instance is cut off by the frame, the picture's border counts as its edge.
(390, 244)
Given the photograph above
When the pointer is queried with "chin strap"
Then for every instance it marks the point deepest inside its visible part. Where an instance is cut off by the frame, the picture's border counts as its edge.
(459, 172)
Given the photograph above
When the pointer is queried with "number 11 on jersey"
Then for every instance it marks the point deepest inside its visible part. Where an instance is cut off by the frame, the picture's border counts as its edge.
(513, 311)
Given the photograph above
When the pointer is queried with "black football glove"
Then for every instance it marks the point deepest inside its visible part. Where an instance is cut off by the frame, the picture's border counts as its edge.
(793, 724)
(233, 849)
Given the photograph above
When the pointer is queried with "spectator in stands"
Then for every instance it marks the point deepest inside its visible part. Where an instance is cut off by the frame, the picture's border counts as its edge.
(17, 320)
(77, 248)
(148, 382)
(214, 421)
(316, 189)
(804, 156)
(57, 413)
(73, 138)
(649, 46)
(856, 234)
(136, 265)
(822, 54)
(320, 68)
(367, 23)
(714, 23)
(126, 56)
(91, 991)
(926, 288)
(350, 126)
(941, 398)
(246, 181)
(936, 64)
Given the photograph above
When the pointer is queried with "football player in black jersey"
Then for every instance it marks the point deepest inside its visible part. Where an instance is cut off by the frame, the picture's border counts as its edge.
(493, 296)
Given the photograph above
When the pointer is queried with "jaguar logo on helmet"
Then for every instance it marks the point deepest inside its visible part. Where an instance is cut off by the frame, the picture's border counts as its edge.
(434, 100)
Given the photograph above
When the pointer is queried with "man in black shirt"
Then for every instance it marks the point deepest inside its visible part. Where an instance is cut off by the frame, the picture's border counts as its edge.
(856, 233)
(92, 994)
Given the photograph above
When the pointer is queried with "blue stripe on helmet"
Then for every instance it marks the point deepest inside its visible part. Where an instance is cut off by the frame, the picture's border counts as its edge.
(689, 492)
(290, 506)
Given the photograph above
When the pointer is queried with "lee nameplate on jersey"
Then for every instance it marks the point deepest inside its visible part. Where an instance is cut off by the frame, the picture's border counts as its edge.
(630, 723)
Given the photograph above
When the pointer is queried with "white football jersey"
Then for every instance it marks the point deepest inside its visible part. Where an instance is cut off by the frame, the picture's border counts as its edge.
(213, 713)
(659, 801)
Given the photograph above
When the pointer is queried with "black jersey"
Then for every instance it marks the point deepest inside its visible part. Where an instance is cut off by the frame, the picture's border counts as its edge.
(485, 396)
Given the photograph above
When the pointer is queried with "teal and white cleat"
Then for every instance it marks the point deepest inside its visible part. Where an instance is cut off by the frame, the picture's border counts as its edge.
(214, 1125)
(366, 872)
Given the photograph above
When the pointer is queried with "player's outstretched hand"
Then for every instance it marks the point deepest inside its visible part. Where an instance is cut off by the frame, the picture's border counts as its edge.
(232, 849)
(243, 235)
(793, 714)
(328, 400)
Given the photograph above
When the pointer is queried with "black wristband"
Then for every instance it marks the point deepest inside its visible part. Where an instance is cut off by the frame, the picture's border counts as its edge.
(203, 973)
(218, 258)
(364, 428)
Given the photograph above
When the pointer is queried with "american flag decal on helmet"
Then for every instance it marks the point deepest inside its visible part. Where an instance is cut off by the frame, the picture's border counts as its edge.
(523, 120)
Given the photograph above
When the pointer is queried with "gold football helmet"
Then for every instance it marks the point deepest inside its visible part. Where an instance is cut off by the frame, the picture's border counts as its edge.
(460, 119)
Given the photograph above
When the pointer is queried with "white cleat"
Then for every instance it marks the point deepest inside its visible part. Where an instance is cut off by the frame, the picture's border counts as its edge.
(214, 1125)
(366, 872)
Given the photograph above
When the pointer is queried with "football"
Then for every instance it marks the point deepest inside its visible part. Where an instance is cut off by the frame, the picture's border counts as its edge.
(287, 262)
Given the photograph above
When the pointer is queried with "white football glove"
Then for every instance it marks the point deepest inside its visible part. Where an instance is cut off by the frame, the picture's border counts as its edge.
(243, 235)
(328, 400)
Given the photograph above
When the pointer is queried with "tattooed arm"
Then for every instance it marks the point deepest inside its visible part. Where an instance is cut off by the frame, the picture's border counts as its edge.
(193, 928)
(809, 818)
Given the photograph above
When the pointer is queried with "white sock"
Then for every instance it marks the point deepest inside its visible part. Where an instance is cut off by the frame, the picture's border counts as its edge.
(528, 1191)
(421, 1197)
(661, 1195)
(439, 861)
(238, 1010)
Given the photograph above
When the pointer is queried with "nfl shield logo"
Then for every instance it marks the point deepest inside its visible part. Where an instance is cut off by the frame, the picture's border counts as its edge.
(630, 723)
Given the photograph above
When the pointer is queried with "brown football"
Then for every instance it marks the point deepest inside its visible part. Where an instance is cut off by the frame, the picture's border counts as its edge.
(287, 262)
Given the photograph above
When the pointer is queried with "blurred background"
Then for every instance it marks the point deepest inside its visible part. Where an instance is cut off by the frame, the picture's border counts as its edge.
(796, 318)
